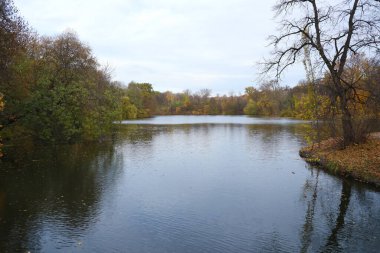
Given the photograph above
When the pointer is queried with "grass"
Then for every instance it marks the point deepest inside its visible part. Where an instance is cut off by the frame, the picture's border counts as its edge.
(359, 161)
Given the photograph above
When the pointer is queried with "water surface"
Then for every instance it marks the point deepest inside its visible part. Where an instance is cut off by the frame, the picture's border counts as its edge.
(183, 184)
(213, 119)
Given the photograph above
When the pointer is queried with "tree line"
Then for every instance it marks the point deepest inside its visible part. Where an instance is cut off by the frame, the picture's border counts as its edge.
(307, 100)
(268, 99)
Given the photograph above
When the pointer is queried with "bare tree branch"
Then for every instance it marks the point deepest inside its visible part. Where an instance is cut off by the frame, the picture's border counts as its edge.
(332, 34)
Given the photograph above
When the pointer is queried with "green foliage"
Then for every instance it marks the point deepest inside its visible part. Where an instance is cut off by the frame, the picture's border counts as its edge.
(72, 98)
(129, 109)
(251, 108)
(303, 107)
(142, 97)
(58, 93)
(56, 114)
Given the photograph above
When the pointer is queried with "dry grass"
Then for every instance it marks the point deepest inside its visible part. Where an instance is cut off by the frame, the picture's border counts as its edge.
(361, 161)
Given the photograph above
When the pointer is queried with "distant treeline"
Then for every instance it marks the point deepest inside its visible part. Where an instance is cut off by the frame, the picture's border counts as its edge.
(312, 99)
(269, 99)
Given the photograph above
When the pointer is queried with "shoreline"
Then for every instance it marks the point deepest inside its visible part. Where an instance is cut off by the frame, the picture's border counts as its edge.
(360, 162)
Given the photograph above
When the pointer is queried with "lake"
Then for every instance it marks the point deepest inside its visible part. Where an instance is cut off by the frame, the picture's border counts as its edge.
(183, 184)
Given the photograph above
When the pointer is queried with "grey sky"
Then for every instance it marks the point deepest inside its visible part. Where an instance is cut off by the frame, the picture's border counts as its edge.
(173, 44)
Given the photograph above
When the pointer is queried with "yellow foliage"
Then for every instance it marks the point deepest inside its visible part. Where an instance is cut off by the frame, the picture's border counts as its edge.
(1, 102)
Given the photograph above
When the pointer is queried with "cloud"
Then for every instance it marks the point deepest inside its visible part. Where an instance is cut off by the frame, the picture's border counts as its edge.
(172, 44)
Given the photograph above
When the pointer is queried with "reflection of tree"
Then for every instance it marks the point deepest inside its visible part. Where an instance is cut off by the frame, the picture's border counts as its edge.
(308, 227)
(268, 131)
(332, 243)
(137, 133)
(271, 136)
(62, 184)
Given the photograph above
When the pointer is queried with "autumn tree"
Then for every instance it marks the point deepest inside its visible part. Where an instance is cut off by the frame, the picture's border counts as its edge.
(333, 32)
(71, 96)
(53, 87)
(143, 97)
(251, 108)
(14, 37)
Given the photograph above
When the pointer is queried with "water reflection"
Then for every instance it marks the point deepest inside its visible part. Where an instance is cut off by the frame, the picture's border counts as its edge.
(183, 188)
(52, 191)
(340, 215)
(308, 226)
(311, 188)
(332, 244)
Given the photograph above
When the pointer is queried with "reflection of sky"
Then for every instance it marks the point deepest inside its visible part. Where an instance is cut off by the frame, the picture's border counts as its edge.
(175, 45)
(239, 120)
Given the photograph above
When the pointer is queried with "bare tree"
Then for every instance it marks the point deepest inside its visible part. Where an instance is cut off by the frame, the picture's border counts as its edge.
(331, 31)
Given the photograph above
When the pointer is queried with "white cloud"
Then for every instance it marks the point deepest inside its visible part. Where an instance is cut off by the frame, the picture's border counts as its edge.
(174, 44)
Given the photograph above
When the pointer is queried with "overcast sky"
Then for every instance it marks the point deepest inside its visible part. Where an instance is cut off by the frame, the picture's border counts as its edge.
(173, 44)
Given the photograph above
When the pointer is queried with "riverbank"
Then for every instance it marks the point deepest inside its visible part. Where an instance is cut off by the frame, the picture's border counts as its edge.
(360, 162)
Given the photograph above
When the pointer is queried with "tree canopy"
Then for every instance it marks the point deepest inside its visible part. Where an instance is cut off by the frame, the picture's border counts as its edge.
(53, 87)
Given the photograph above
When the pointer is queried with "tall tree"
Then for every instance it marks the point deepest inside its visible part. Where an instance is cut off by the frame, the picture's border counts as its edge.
(332, 32)
(142, 96)
(70, 97)
(14, 36)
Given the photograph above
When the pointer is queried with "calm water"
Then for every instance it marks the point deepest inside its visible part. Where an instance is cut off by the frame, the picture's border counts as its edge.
(195, 184)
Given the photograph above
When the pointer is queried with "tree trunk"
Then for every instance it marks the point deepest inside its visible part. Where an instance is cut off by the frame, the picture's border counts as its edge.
(348, 131)
(347, 124)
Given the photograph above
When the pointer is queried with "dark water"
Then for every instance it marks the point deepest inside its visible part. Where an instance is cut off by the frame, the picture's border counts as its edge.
(235, 184)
